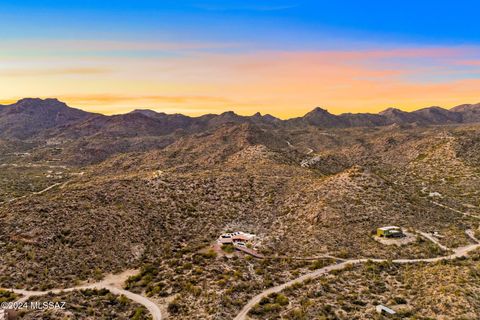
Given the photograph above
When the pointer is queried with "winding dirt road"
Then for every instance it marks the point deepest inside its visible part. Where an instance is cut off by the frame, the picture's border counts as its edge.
(459, 252)
(36, 193)
(112, 283)
(455, 210)
(434, 240)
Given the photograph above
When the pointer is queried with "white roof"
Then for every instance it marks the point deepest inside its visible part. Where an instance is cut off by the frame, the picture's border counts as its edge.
(389, 228)
(236, 233)
(381, 308)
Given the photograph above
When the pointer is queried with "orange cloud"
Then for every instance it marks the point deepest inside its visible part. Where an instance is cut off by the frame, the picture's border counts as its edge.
(278, 82)
(112, 99)
(54, 71)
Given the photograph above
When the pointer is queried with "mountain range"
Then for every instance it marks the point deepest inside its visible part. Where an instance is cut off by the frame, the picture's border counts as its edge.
(83, 195)
(29, 118)
(49, 129)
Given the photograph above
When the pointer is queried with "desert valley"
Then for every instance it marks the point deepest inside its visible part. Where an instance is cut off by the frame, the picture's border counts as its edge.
(148, 215)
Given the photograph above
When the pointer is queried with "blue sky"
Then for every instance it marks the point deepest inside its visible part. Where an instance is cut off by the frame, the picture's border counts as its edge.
(199, 56)
(271, 23)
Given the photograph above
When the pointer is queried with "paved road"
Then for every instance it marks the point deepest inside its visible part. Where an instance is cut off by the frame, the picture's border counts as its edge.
(459, 252)
(112, 283)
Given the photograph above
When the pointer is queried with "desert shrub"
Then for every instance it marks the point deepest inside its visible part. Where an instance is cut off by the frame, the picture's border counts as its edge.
(281, 299)
(7, 296)
(139, 314)
(296, 314)
(174, 307)
(400, 300)
(228, 248)
(317, 264)
(210, 254)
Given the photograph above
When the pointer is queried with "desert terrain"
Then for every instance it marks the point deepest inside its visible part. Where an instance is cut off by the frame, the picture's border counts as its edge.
(85, 196)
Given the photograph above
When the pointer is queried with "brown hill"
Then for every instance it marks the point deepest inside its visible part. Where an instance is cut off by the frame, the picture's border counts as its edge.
(29, 117)
(437, 115)
(470, 112)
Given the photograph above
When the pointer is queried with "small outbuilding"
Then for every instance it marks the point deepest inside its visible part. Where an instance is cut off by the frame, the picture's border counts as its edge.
(390, 232)
(384, 310)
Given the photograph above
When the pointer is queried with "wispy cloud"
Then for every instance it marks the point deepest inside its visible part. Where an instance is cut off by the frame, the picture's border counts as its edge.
(474, 63)
(155, 99)
(36, 46)
(284, 83)
(78, 71)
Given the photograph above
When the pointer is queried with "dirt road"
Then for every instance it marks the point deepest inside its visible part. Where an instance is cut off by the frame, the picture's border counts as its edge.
(112, 283)
(430, 237)
(459, 252)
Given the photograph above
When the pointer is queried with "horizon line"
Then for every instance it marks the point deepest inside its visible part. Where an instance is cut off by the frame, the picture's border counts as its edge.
(11, 102)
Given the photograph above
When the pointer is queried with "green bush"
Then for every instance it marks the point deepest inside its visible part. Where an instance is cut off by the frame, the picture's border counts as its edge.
(228, 248)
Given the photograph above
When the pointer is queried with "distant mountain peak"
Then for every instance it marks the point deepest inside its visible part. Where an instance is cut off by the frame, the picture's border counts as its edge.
(148, 112)
(467, 107)
(270, 117)
(23, 100)
(27, 117)
(228, 113)
(470, 112)
(39, 102)
(318, 110)
(391, 110)
(432, 108)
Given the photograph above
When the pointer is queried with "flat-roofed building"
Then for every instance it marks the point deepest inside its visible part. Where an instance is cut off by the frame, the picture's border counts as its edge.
(389, 232)
(237, 236)
(384, 310)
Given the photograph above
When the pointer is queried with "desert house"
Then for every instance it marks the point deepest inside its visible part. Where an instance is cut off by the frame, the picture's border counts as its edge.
(390, 232)
(235, 237)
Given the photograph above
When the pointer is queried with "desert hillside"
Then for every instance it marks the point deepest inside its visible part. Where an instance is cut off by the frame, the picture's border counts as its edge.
(85, 195)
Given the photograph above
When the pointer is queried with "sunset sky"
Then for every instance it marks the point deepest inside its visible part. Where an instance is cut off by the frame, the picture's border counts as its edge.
(280, 57)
